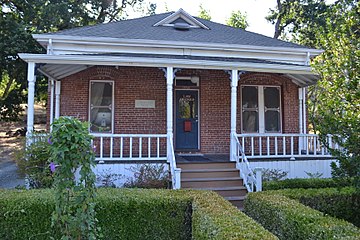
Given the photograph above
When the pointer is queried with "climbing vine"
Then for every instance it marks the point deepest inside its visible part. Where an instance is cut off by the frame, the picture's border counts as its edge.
(71, 160)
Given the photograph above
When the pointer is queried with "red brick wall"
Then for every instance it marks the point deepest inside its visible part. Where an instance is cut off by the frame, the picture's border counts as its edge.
(133, 83)
(289, 98)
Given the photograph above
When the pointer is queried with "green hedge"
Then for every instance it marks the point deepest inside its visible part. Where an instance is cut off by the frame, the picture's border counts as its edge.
(133, 214)
(342, 203)
(289, 219)
(307, 183)
(215, 218)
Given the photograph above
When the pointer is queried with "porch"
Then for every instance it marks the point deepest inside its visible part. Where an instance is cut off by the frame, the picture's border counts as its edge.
(132, 123)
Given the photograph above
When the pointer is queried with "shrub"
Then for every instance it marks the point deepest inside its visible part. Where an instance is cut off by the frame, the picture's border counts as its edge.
(148, 176)
(288, 219)
(71, 152)
(273, 175)
(215, 218)
(342, 203)
(133, 214)
(33, 161)
(307, 183)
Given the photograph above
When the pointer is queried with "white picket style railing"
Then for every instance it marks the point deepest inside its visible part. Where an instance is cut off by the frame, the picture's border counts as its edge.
(252, 180)
(130, 146)
(290, 145)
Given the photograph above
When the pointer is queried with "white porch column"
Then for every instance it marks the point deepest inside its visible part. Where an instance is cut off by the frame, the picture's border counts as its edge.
(304, 110)
(301, 139)
(52, 86)
(234, 84)
(57, 98)
(31, 95)
(169, 106)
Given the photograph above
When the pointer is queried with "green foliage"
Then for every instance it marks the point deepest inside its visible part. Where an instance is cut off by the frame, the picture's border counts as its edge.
(149, 176)
(203, 13)
(273, 175)
(20, 19)
(300, 19)
(214, 218)
(288, 219)
(71, 151)
(342, 203)
(337, 99)
(133, 214)
(238, 20)
(307, 183)
(33, 161)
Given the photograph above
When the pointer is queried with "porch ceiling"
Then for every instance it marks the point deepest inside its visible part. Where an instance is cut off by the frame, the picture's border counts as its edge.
(59, 71)
(60, 66)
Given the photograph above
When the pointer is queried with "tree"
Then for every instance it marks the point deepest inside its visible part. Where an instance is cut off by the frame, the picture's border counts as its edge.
(299, 18)
(204, 14)
(238, 20)
(19, 19)
(337, 100)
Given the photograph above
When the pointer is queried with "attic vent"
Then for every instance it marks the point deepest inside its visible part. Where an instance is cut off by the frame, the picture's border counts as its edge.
(181, 26)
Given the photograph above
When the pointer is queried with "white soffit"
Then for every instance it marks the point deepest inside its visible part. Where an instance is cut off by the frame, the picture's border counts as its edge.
(59, 71)
(193, 22)
(303, 80)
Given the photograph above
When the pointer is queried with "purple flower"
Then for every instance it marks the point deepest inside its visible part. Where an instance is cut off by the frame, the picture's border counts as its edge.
(52, 167)
(49, 140)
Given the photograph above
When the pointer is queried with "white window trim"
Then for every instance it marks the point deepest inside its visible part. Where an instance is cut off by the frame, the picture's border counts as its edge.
(261, 108)
(112, 105)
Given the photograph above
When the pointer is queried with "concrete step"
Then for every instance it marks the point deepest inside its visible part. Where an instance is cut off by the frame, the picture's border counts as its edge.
(206, 165)
(210, 173)
(211, 182)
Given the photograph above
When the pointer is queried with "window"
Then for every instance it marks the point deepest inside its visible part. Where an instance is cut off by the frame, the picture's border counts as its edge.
(101, 106)
(261, 110)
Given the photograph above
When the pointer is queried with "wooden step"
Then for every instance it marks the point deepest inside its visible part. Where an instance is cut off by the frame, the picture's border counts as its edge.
(237, 201)
(206, 165)
(211, 182)
(228, 191)
(210, 173)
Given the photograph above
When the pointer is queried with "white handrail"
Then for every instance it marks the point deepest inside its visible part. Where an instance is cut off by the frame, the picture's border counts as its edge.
(274, 145)
(175, 172)
(251, 181)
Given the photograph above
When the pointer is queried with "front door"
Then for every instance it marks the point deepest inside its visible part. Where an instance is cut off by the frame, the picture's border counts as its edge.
(187, 121)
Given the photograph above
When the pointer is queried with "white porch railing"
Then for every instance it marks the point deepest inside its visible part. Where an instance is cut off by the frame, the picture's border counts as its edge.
(251, 181)
(130, 146)
(284, 145)
(175, 172)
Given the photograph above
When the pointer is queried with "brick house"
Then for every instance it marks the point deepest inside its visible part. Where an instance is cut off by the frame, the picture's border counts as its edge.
(172, 87)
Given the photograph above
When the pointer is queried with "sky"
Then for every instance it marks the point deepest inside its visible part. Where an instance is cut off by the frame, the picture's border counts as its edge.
(220, 11)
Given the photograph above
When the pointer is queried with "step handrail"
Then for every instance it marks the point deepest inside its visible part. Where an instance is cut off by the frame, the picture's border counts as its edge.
(251, 180)
(175, 171)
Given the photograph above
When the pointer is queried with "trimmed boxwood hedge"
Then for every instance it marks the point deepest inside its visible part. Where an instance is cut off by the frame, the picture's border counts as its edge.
(307, 183)
(289, 219)
(342, 203)
(133, 214)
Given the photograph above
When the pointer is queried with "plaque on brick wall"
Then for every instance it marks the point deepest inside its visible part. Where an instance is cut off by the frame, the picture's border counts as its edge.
(144, 103)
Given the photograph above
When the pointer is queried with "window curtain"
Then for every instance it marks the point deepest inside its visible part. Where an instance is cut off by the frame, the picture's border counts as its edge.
(97, 94)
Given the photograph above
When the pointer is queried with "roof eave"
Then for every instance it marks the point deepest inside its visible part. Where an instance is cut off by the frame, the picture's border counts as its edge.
(43, 39)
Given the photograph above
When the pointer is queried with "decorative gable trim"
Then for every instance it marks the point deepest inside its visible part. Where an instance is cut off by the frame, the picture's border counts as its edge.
(193, 22)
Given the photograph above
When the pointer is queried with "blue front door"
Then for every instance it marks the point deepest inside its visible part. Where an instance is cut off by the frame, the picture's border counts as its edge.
(187, 121)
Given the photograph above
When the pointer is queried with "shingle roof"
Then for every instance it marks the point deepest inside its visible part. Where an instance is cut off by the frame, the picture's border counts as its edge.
(142, 28)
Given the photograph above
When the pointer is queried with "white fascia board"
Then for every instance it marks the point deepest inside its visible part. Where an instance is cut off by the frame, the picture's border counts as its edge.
(103, 41)
(164, 62)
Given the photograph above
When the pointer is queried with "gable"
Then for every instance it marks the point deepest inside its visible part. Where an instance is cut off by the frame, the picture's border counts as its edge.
(181, 18)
